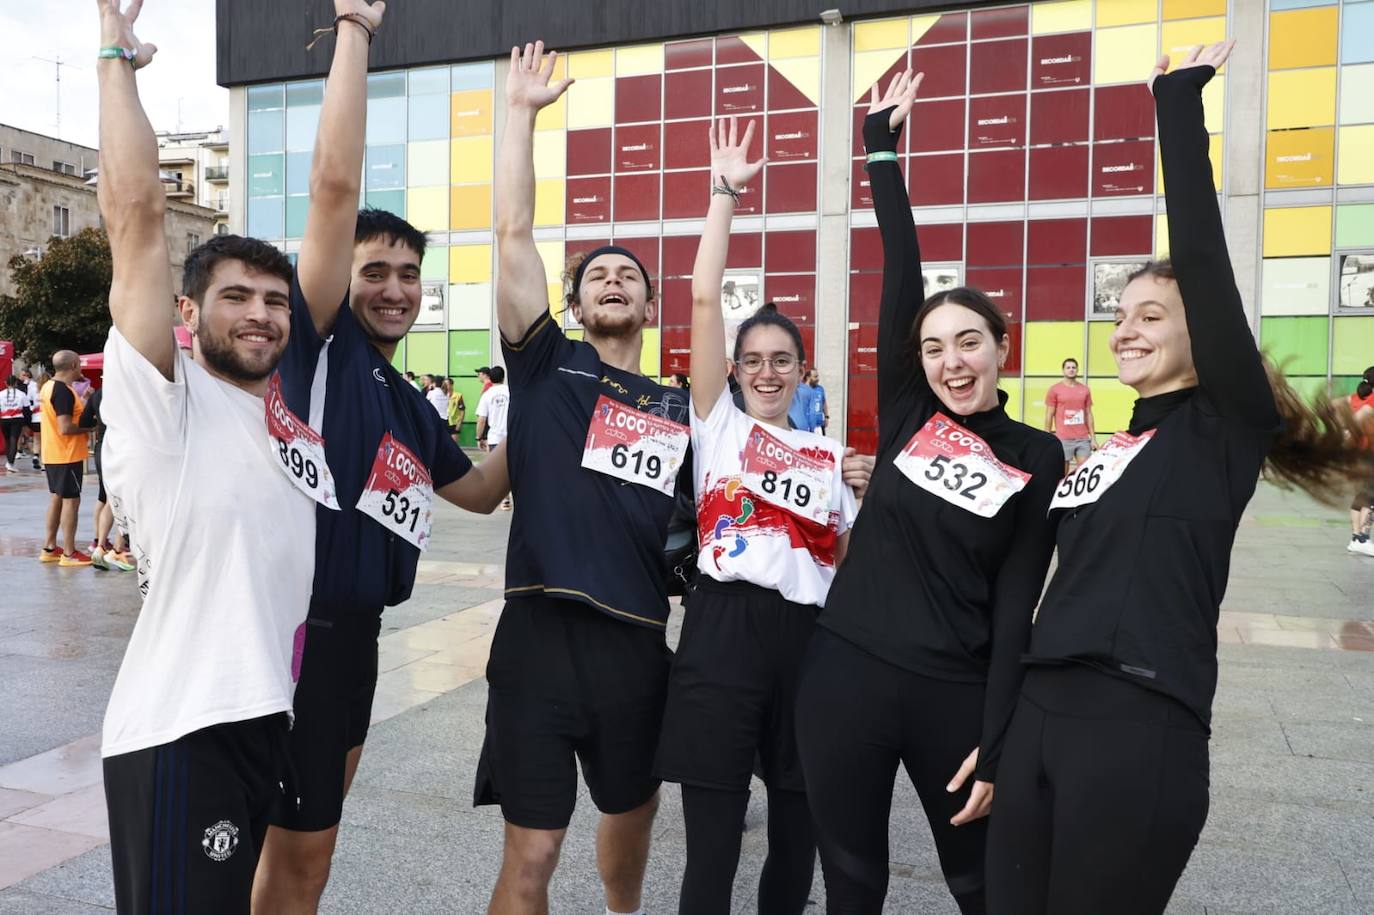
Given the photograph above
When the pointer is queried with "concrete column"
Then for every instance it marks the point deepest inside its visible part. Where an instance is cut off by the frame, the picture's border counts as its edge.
(238, 160)
(832, 235)
(1243, 140)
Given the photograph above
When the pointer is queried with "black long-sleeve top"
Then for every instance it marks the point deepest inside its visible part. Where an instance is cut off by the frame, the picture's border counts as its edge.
(1142, 571)
(926, 585)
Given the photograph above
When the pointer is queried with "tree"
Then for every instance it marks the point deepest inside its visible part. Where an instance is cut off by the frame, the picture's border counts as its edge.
(62, 299)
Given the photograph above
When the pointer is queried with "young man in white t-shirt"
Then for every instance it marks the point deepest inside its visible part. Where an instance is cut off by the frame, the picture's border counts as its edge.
(493, 408)
(197, 723)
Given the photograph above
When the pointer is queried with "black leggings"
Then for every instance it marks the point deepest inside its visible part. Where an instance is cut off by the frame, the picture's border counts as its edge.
(714, 821)
(1101, 796)
(12, 428)
(858, 717)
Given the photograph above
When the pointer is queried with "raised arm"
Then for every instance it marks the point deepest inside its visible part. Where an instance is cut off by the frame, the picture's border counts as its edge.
(326, 259)
(521, 293)
(130, 193)
(1225, 356)
(731, 170)
(483, 487)
(902, 287)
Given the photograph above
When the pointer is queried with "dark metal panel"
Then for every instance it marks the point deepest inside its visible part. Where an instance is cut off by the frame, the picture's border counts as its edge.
(264, 40)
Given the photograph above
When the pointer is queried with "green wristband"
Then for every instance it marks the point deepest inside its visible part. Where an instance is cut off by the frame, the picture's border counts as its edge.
(114, 52)
(882, 155)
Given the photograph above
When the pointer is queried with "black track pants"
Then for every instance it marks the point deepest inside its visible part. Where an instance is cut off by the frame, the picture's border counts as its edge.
(1101, 796)
(714, 822)
(858, 717)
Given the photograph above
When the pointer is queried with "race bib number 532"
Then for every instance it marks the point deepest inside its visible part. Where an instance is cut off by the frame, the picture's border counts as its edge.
(399, 494)
(633, 446)
(949, 461)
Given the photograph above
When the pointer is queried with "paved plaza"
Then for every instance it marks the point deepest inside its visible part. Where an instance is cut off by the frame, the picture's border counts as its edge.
(1291, 827)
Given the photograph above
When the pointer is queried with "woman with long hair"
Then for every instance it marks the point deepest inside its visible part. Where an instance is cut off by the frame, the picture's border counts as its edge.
(916, 658)
(773, 518)
(1104, 786)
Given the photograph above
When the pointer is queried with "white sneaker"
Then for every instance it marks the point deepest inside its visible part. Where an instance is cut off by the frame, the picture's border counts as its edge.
(1352, 545)
(10, 468)
(1364, 547)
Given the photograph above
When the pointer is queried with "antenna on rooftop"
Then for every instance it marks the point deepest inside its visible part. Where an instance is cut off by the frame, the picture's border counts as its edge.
(58, 63)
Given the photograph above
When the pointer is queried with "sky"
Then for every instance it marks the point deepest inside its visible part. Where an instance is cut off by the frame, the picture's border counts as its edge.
(178, 90)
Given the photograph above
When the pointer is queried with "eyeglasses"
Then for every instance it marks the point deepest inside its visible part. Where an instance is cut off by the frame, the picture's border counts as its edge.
(782, 364)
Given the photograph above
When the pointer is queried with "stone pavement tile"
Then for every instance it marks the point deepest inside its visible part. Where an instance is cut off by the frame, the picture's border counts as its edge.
(1328, 682)
(12, 802)
(66, 768)
(1251, 736)
(1251, 880)
(435, 675)
(391, 655)
(81, 812)
(1298, 706)
(27, 850)
(1283, 828)
(394, 695)
(1233, 702)
(1359, 871)
(1326, 783)
(1288, 639)
(45, 645)
(85, 878)
(23, 902)
(1349, 740)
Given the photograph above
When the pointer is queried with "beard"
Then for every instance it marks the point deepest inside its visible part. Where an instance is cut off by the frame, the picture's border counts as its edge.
(613, 326)
(219, 354)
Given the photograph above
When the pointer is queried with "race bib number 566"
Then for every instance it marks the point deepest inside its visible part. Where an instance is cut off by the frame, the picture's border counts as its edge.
(399, 494)
(633, 446)
(1100, 472)
(949, 461)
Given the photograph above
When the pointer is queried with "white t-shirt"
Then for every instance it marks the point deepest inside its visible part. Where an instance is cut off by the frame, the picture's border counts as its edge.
(495, 405)
(225, 547)
(439, 401)
(37, 416)
(745, 538)
(12, 403)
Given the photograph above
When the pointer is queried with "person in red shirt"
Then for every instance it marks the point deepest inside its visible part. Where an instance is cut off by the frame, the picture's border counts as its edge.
(1069, 415)
(1362, 508)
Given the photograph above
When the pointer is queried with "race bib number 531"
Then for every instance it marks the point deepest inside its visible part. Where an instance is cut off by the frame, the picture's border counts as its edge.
(636, 447)
(399, 494)
(778, 473)
(949, 461)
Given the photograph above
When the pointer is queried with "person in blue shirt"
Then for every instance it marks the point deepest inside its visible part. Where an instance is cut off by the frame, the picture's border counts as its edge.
(355, 295)
(820, 408)
(799, 414)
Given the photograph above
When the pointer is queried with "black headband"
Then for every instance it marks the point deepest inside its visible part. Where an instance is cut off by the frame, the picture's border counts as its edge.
(609, 249)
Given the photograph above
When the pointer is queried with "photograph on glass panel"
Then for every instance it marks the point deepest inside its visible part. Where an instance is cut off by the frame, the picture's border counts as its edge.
(1355, 285)
(433, 315)
(939, 278)
(740, 297)
(1109, 280)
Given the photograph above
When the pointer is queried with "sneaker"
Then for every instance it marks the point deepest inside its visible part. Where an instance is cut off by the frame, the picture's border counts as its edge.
(1364, 547)
(74, 559)
(98, 561)
(10, 468)
(36, 465)
(119, 561)
(50, 555)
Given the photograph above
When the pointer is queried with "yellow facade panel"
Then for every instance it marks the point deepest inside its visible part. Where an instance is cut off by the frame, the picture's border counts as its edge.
(1355, 156)
(1061, 16)
(1049, 343)
(427, 208)
(802, 42)
(470, 113)
(1177, 38)
(1125, 12)
(591, 64)
(470, 160)
(1187, 9)
(469, 264)
(1302, 98)
(470, 206)
(548, 202)
(591, 103)
(884, 34)
(639, 60)
(1297, 231)
(550, 154)
(1299, 158)
(1303, 38)
(1125, 54)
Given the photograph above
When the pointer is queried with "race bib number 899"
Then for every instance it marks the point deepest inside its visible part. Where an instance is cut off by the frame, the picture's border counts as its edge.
(949, 461)
(299, 448)
(634, 446)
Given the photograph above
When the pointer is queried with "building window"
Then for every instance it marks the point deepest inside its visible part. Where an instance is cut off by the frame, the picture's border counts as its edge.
(61, 221)
(65, 168)
(222, 228)
(21, 158)
(192, 242)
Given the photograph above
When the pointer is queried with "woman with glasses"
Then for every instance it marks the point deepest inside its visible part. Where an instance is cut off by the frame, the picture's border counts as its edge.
(773, 516)
(916, 659)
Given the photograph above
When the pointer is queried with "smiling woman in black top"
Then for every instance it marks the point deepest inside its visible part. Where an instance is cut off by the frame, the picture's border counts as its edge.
(916, 660)
(1105, 774)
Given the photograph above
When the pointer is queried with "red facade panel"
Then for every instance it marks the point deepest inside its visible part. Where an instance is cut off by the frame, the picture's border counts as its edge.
(997, 66)
(995, 176)
(1058, 172)
(1056, 293)
(638, 99)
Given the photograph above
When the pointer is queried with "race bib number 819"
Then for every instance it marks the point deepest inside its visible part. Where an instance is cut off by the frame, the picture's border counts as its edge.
(949, 461)
(780, 474)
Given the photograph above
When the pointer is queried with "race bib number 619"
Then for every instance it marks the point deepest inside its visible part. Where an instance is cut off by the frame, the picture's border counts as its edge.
(634, 446)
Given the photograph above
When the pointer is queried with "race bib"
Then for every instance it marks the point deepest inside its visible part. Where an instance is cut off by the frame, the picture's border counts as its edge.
(399, 494)
(299, 448)
(635, 447)
(1100, 472)
(781, 475)
(948, 461)
(1074, 417)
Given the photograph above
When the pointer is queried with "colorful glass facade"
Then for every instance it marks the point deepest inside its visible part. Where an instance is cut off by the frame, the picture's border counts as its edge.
(1032, 168)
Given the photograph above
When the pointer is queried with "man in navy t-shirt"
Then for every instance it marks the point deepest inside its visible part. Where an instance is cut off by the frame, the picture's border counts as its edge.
(355, 296)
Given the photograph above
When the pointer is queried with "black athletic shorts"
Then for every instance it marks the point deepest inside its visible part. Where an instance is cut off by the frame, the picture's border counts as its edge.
(101, 496)
(187, 818)
(733, 690)
(333, 706)
(564, 681)
(65, 479)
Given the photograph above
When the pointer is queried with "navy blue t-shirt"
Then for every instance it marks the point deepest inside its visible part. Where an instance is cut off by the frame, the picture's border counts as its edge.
(348, 391)
(579, 534)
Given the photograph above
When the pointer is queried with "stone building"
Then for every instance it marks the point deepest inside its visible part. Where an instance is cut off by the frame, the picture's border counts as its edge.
(195, 167)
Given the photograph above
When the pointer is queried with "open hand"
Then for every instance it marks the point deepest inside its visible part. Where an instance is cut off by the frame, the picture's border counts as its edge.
(527, 85)
(980, 797)
(1212, 55)
(901, 92)
(730, 154)
(117, 30)
(370, 12)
